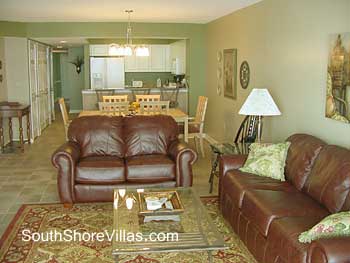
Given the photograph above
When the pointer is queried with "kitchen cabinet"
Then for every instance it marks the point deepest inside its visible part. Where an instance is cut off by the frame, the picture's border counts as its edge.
(178, 57)
(158, 58)
(99, 50)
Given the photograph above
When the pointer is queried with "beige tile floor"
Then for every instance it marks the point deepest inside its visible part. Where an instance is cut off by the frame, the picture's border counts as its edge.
(29, 177)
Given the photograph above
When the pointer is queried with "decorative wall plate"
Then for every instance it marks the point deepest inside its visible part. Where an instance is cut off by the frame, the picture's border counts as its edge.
(218, 89)
(219, 73)
(244, 74)
(219, 56)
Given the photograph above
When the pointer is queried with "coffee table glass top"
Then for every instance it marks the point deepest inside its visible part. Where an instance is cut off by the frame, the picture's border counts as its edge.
(195, 229)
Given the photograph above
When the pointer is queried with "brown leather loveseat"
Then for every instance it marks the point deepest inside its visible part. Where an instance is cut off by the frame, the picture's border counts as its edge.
(103, 152)
(269, 215)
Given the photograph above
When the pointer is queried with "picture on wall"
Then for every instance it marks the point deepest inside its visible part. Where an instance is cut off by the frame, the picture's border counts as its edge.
(230, 73)
(338, 79)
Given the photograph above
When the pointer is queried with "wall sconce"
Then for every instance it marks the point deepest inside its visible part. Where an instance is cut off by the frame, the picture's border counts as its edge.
(78, 63)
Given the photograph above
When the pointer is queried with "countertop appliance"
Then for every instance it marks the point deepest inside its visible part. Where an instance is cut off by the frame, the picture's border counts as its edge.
(107, 73)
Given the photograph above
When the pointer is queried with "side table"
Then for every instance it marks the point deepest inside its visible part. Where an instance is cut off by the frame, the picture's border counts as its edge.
(224, 149)
(14, 111)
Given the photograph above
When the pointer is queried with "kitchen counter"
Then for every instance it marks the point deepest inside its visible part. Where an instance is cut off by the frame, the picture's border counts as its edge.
(90, 97)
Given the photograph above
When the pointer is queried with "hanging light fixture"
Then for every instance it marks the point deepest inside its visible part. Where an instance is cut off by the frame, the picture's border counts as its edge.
(128, 49)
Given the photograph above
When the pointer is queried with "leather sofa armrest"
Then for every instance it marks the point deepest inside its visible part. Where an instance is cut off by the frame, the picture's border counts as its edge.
(330, 250)
(184, 158)
(65, 159)
(229, 162)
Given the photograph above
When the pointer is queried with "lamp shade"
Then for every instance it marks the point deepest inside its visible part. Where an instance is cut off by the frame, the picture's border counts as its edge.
(259, 103)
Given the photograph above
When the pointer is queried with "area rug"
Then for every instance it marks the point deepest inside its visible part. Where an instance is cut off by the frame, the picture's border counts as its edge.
(93, 218)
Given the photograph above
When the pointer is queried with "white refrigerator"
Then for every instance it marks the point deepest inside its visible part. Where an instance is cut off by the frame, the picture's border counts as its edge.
(107, 73)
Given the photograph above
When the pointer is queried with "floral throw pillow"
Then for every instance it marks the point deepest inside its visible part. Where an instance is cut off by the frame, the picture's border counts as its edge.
(267, 160)
(335, 225)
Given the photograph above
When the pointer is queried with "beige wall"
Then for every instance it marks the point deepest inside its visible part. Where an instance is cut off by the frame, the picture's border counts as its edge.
(286, 43)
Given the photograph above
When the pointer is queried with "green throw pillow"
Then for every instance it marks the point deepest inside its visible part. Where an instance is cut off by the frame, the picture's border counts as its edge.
(335, 225)
(267, 160)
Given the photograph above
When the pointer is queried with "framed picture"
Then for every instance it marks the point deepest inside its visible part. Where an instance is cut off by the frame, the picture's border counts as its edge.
(230, 73)
(338, 78)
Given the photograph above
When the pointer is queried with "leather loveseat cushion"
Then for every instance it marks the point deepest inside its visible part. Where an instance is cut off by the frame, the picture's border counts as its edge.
(100, 170)
(239, 182)
(98, 135)
(149, 134)
(263, 206)
(150, 169)
(329, 181)
(302, 153)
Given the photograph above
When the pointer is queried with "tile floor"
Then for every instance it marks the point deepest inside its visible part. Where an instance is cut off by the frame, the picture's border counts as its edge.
(29, 177)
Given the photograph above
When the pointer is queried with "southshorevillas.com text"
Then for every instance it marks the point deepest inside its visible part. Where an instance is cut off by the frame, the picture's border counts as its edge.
(69, 235)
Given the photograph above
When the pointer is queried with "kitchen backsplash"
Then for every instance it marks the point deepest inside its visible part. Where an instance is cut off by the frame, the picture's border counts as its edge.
(149, 78)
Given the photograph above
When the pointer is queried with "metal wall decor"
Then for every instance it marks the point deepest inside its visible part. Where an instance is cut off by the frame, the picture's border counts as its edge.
(244, 74)
(219, 72)
(230, 73)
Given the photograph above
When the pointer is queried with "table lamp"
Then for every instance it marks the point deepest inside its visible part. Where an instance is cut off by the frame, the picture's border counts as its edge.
(259, 103)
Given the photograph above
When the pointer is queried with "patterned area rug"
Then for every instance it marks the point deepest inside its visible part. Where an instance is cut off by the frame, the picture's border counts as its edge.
(93, 218)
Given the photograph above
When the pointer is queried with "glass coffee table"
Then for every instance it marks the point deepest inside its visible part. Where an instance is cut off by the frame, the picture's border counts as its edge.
(190, 230)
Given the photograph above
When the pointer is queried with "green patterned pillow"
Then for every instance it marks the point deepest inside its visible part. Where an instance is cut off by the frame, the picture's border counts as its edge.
(335, 225)
(267, 160)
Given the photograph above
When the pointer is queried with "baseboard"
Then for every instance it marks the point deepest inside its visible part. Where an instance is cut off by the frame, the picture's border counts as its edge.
(75, 111)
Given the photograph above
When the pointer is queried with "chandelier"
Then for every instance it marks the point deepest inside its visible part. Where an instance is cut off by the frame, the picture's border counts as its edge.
(128, 49)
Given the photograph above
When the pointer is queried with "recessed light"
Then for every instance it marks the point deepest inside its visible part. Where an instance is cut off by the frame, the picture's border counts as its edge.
(59, 46)
(63, 41)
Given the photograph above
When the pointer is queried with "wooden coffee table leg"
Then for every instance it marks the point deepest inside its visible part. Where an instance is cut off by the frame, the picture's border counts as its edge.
(210, 257)
(21, 133)
(28, 128)
(1, 136)
(10, 131)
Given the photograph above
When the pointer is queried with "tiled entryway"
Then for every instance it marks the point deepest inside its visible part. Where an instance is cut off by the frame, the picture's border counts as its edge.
(29, 177)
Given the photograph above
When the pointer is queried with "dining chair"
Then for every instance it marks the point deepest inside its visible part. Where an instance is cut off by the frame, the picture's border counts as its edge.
(147, 98)
(139, 91)
(248, 130)
(116, 108)
(65, 116)
(154, 107)
(196, 124)
(115, 98)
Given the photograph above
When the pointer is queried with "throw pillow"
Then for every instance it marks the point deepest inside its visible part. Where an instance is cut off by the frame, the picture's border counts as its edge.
(334, 225)
(267, 160)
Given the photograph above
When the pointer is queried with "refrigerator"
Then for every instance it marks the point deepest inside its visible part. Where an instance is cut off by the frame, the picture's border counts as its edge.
(107, 73)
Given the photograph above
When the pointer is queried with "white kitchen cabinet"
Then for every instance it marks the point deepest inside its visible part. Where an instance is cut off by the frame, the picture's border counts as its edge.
(158, 58)
(178, 57)
(99, 50)
(130, 64)
(142, 64)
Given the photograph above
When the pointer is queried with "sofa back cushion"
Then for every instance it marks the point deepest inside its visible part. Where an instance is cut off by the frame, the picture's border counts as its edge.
(302, 153)
(329, 180)
(149, 134)
(98, 135)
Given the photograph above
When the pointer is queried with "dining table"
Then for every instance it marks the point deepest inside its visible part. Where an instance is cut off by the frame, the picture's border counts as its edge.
(178, 115)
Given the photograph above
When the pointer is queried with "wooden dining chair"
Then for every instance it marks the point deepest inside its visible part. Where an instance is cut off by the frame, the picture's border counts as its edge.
(248, 130)
(116, 108)
(196, 124)
(115, 98)
(147, 98)
(139, 91)
(154, 107)
(65, 116)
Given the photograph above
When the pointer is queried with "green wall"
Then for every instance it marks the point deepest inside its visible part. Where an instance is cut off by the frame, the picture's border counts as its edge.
(72, 83)
(56, 57)
(194, 33)
(286, 43)
(149, 78)
(13, 29)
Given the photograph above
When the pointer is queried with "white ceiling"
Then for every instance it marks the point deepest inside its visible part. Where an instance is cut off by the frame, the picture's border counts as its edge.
(172, 11)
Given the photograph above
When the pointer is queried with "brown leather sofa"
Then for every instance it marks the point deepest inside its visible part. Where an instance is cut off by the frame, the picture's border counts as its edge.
(269, 215)
(104, 152)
